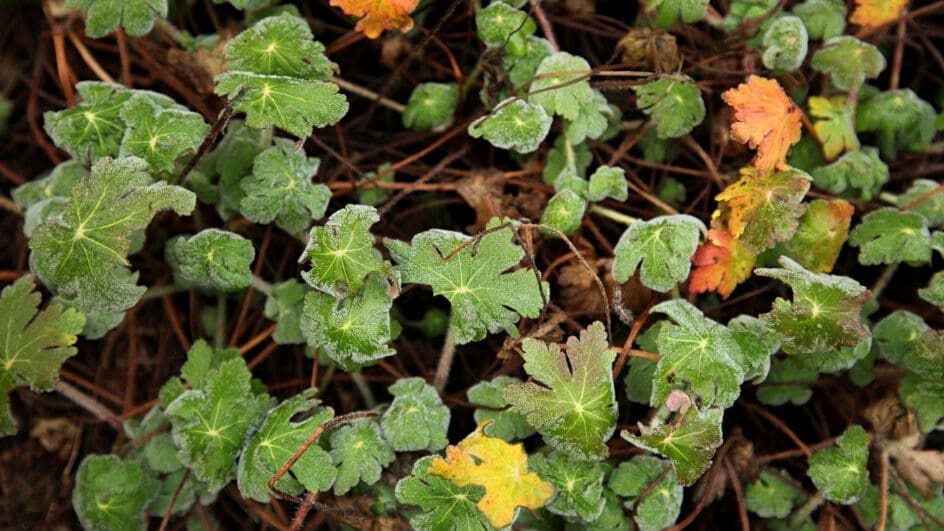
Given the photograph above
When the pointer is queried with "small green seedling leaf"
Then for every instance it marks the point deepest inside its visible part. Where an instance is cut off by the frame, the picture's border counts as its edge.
(860, 170)
(898, 334)
(564, 211)
(789, 380)
(835, 126)
(516, 125)
(689, 444)
(841, 473)
(284, 306)
(562, 85)
(431, 106)
(446, 506)
(280, 45)
(934, 293)
(848, 61)
(33, 345)
(521, 68)
(280, 189)
(342, 251)
(889, 236)
(576, 412)
(352, 331)
(923, 395)
(663, 246)
(932, 207)
(484, 297)
(232, 161)
(212, 259)
(824, 19)
(505, 422)
(593, 120)
(57, 184)
(825, 314)
(271, 447)
(566, 158)
(360, 453)
(136, 17)
(902, 121)
(93, 128)
(785, 44)
(673, 103)
(111, 494)
(417, 419)
(668, 12)
(821, 234)
(81, 251)
(608, 181)
(655, 504)
(769, 496)
(757, 344)
(159, 134)
(578, 485)
(501, 26)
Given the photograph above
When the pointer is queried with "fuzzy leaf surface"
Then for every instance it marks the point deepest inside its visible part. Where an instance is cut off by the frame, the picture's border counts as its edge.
(661, 247)
(578, 485)
(504, 423)
(135, 16)
(771, 497)
(766, 119)
(821, 234)
(757, 345)
(284, 306)
(901, 120)
(342, 251)
(417, 419)
(280, 45)
(446, 505)
(158, 134)
(213, 259)
(379, 15)
(841, 472)
(721, 263)
(500, 25)
(675, 105)
(788, 381)
(519, 126)
(608, 181)
(111, 494)
(360, 453)
(565, 100)
(785, 43)
(824, 19)
(835, 127)
(689, 444)
(93, 128)
(932, 208)
(668, 12)
(565, 211)
(848, 61)
(889, 235)
(653, 508)
(861, 170)
(430, 106)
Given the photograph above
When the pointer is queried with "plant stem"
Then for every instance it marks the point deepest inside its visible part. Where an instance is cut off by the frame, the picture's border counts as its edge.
(89, 404)
(261, 285)
(156, 292)
(883, 280)
(889, 198)
(811, 504)
(358, 378)
(569, 154)
(445, 360)
(369, 94)
(10, 206)
(609, 213)
(325, 379)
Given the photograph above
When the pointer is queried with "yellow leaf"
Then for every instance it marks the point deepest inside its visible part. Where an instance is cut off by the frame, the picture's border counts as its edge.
(766, 119)
(874, 13)
(379, 15)
(501, 468)
(835, 128)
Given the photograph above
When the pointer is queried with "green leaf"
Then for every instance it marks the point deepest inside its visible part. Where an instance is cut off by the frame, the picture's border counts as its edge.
(565, 157)
(446, 506)
(135, 16)
(699, 356)
(33, 345)
(932, 208)
(824, 19)
(860, 170)
(284, 306)
(769, 496)
(93, 128)
(212, 259)
(663, 246)
(342, 252)
(210, 423)
(272, 446)
(110, 494)
(889, 236)
(505, 422)
(484, 297)
(673, 103)
(835, 127)
(417, 419)
(593, 120)
(232, 161)
(501, 26)
(521, 68)
(825, 314)
(575, 408)
(361, 453)
(785, 44)
(924, 397)
(848, 61)
(516, 125)
(608, 181)
(934, 293)
(757, 344)
(842, 474)
(431, 106)
(81, 251)
(57, 183)
(689, 444)
(295, 105)
(788, 381)
(352, 331)
(578, 486)
(564, 212)
(821, 234)
(572, 72)
(668, 12)
(159, 134)
(901, 120)
(281, 45)
(655, 504)
(898, 334)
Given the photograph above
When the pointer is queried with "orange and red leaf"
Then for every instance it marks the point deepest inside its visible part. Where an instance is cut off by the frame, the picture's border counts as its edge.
(721, 263)
(766, 119)
(379, 15)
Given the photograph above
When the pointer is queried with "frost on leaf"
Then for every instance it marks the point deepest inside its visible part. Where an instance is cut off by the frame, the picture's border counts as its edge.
(861, 170)
(81, 252)
(841, 473)
(698, 356)
(825, 312)
(721, 263)
(689, 443)
(835, 126)
(417, 419)
(342, 251)
(135, 16)
(280, 189)
(574, 408)
(360, 453)
(668, 12)
(504, 422)
(284, 306)
(673, 103)
(785, 43)
(762, 209)
(93, 128)
(499, 467)
(902, 121)
(564, 212)
(899, 334)
(431, 106)
(889, 236)
(931, 207)
(518, 125)
(824, 19)
(212, 259)
(271, 447)
(578, 485)
(282, 45)
(663, 246)
(848, 61)
(769, 496)
(353, 331)
(766, 119)
(874, 13)
(379, 15)
(485, 297)
(111, 494)
(158, 133)
(608, 181)
(502, 26)
(757, 346)
(562, 85)
(33, 344)
(446, 506)
(821, 234)
(655, 507)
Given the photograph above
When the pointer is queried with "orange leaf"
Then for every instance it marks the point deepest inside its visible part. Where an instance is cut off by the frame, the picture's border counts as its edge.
(874, 13)
(501, 468)
(766, 119)
(721, 263)
(379, 15)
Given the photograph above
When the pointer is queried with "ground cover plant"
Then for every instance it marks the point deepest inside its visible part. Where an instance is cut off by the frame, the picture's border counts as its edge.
(471, 265)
